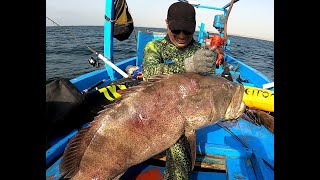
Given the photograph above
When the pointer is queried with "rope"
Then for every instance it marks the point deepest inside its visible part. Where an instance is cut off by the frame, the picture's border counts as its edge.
(225, 23)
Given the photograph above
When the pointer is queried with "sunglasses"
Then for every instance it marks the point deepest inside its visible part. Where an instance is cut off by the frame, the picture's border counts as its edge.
(179, 31)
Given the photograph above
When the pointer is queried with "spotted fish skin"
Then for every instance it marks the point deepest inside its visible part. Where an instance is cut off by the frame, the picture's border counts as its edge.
(148, 119)
(178, 161)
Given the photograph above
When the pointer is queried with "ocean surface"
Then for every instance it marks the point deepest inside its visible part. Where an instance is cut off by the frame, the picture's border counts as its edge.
(67, 53)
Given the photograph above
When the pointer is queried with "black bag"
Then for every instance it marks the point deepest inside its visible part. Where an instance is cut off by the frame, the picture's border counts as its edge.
(63, 105)
(123, 26)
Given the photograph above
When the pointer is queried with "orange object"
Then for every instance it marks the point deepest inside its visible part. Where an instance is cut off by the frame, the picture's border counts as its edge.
(219, 59)
(151, 174)
(217, 41)
(139, 75)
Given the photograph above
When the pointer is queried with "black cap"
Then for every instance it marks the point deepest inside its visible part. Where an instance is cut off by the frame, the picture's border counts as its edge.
(182, 16)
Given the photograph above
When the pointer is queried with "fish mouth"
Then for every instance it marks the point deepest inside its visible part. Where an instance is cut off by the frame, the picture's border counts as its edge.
(237, 106)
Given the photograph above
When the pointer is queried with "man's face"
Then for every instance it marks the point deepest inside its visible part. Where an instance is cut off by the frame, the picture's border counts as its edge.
(180, 39)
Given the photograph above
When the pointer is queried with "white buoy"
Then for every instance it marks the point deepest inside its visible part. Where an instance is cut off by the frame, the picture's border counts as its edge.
(268, 85)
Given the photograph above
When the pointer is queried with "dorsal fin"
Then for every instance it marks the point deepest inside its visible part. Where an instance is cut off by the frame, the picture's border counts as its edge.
(76, 148)
(149, 82)
(105, 108)
(141, 86)
(155, 78)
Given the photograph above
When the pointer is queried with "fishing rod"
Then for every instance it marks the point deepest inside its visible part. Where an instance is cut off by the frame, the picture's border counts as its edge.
(100, 56)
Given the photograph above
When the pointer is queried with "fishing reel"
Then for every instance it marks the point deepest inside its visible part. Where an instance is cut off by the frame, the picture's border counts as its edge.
(94, 62)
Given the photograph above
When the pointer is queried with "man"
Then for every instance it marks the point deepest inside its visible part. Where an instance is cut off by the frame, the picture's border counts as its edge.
(178, 51)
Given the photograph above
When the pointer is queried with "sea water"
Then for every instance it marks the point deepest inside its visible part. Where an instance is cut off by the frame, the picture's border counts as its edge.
(67, 53)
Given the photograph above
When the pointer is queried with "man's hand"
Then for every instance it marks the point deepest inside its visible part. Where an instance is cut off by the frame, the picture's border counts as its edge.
(202, 61)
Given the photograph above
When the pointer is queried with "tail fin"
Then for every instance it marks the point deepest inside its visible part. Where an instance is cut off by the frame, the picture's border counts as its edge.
(76, 148)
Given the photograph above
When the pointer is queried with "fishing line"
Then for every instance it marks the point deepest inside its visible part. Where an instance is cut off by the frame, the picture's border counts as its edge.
(242, 142)
(78, 40)
(234, 135)
(100, 56)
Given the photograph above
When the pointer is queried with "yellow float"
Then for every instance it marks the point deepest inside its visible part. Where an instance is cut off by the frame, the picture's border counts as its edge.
(259, 98)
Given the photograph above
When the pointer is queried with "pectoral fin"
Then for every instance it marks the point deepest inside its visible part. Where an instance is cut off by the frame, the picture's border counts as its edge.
(191, 136)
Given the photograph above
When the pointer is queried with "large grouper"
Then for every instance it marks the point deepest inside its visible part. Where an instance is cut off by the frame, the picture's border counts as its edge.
(148, 119)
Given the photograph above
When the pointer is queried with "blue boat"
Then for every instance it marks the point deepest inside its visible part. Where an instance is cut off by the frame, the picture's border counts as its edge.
(238, 150)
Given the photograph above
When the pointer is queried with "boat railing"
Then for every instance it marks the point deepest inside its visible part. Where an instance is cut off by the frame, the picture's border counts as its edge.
(143, 39)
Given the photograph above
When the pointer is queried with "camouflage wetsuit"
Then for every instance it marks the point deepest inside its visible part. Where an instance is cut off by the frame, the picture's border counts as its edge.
(163, 57)
(178, 161)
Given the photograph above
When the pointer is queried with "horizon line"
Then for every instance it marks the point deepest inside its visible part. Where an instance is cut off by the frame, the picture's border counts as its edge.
(232, 34)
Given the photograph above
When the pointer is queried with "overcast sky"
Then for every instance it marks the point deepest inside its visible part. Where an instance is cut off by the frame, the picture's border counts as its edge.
(250, 18)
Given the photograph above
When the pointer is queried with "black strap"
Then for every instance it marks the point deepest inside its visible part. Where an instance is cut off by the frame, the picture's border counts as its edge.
(108, 19)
